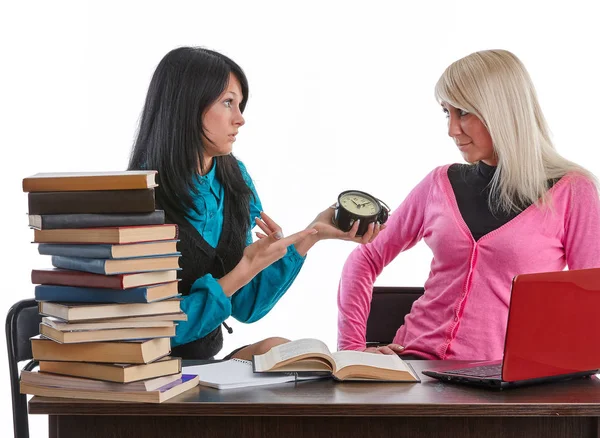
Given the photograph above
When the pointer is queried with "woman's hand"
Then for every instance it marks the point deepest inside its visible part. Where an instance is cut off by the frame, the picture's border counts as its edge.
(323, 223)
(260, 254)
(385, 349)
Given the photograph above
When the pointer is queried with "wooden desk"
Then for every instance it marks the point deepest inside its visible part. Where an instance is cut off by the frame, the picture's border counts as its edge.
(327, 409)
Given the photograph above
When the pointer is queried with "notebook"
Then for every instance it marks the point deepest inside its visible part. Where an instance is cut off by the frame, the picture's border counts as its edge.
(234, 373)
(551, 332)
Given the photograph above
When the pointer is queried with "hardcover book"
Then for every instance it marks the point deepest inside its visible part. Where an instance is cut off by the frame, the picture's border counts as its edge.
(101, 201)
(85, 311)
(157, 396)
(71, 294)
(312, 355)
(117, 266)
(114, 372)
(108, 251)
(81, 181)
(140, 351)
(85, 220)
(112, 235)
(42, 378)
(64, 277)
(69, 336)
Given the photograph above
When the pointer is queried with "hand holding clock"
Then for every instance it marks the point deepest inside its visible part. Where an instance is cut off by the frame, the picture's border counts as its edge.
(325, 228)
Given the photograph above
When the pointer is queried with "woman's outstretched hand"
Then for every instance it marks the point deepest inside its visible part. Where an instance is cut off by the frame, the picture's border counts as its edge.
(271, 247)
(323, 223)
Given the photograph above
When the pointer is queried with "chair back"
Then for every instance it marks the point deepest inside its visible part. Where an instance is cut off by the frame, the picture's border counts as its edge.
(389, 305)
(22, 322)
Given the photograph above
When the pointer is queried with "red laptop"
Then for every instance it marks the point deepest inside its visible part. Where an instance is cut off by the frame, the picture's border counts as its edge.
(553, 332)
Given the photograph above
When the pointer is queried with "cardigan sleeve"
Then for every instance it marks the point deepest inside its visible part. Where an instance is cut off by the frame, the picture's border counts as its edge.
(582, 225)
(404, 229)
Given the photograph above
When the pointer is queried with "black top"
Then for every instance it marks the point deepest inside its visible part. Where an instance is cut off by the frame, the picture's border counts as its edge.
(471, 186)
(197, 259)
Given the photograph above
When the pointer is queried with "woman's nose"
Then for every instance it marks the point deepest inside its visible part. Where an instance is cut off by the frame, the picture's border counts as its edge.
(454, 129)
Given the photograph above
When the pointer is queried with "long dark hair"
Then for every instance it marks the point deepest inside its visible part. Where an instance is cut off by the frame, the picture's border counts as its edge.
(170, 135)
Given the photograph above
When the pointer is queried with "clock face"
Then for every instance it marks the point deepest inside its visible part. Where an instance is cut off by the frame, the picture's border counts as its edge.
(359, 204)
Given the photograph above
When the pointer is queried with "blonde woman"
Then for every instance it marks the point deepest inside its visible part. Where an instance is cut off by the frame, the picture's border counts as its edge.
(517, 207)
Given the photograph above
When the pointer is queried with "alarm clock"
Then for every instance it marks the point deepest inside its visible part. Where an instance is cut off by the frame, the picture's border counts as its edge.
(353, 205)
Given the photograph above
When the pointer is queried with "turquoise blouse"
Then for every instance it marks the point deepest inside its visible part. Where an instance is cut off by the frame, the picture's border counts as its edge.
(207, 306)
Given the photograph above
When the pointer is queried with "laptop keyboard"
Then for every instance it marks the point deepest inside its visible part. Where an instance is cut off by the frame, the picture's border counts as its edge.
(482, 371)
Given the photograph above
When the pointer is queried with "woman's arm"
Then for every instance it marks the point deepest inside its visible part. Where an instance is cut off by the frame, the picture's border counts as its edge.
(582, 225)
(365, 263)
(206, 308)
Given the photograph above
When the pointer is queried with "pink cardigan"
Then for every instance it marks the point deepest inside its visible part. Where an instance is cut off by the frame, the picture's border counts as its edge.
(463, 313)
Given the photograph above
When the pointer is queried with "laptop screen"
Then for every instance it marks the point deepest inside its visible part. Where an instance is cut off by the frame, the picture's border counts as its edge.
(553, 324)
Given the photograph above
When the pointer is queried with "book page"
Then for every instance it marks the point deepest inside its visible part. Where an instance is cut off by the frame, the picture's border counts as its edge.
(385, 361)
(290, 350)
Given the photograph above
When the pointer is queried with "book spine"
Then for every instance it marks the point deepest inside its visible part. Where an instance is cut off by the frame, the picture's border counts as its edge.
(90, 295)
(96, 266)
(84, 251)
(101, 201)
(75, 278)
(68, 221)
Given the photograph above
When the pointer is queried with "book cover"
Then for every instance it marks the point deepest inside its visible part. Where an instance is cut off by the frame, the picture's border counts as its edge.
(72, 294)
(82, 181)
(131, 352)
(109, 251)
(158, 396)
(101, 201)
(42, 378)
(87, 311)
(64, 277)
(117, 266)
(85, 220)
(108, 235)
(115, 334)
(114, 372)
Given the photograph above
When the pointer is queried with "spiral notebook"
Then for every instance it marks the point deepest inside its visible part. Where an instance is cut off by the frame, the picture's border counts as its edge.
(235, 373)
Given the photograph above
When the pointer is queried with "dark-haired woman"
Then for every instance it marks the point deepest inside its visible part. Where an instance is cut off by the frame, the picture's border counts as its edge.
(191, 118)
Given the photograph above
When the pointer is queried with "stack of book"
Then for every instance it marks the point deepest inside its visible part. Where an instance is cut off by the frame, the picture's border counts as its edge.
(110, 304)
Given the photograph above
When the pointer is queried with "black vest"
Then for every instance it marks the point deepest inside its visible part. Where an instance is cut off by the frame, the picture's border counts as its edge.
(197, 259)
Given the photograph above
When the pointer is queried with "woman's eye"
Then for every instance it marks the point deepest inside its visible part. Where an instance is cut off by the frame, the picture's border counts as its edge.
(446, 113)
(228, 103)
(462, 113)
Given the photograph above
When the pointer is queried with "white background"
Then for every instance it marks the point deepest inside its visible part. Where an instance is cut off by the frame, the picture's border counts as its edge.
(341, 97)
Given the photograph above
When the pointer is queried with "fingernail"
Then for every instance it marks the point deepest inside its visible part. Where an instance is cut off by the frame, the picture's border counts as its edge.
(313, 231)
(278, 235)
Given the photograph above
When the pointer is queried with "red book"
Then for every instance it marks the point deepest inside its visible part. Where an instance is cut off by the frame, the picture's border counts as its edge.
(63, 277)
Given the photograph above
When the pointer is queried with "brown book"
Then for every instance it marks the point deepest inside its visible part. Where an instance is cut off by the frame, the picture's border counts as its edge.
(111, 235)
(109, 251)
(140, 351)
(100, 201)
(160, 317)
(115, 372)
(116, 334)
(83, 312)
(159, 395)
(312, 355)
(41, 378)
(81, 181)
(64, 277)
(102, 324)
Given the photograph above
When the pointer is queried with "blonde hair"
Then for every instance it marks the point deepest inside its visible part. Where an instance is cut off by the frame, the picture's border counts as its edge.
(495, 86)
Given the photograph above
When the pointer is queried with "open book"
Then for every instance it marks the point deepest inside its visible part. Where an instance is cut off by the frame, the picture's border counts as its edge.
(311, 355)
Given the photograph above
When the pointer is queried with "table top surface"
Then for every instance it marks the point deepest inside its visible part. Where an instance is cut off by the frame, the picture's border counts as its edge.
(326, 397)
